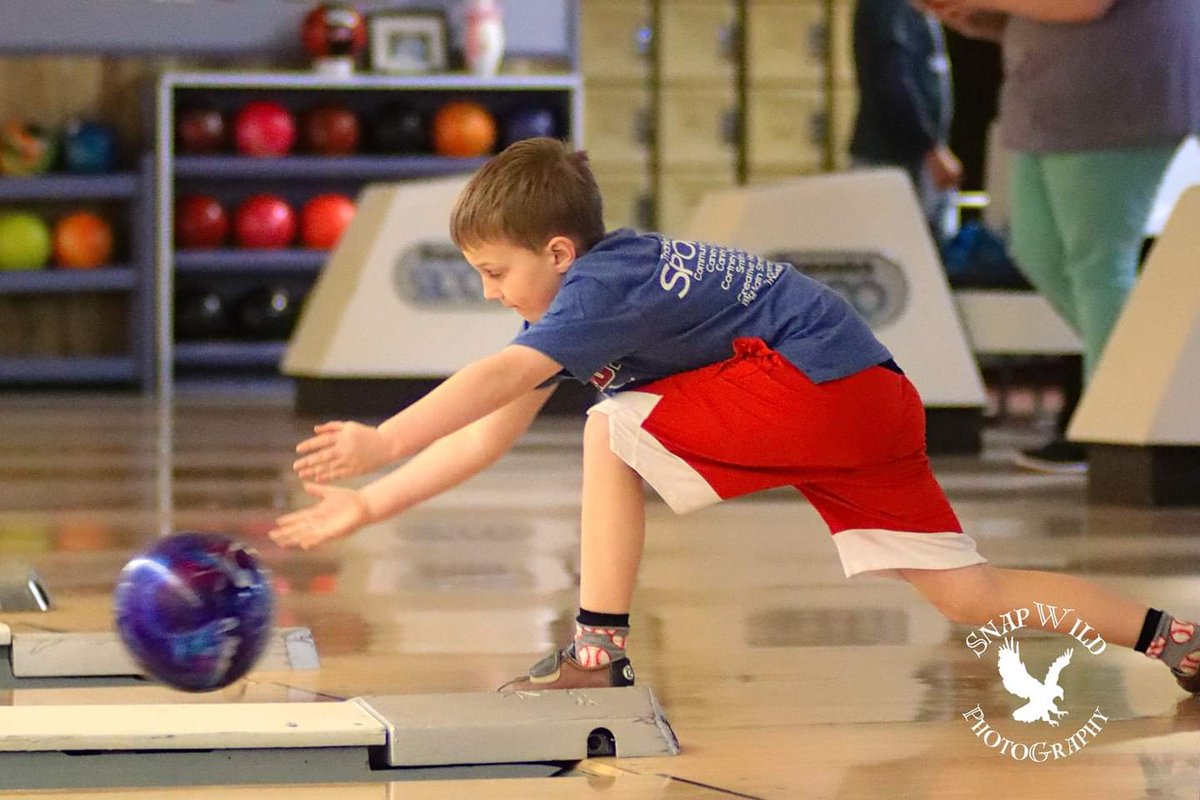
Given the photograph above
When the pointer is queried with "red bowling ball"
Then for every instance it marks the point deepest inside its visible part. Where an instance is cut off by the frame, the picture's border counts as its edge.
(264, 129)
(200, 222)
(265, 222)
(323, 219)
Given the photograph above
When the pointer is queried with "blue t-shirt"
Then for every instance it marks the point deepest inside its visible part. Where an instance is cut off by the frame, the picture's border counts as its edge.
(639, 307)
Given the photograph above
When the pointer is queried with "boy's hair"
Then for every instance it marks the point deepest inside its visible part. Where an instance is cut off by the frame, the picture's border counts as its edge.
(534, 190)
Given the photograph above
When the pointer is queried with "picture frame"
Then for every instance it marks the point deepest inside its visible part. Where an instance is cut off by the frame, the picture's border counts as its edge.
(408, 42)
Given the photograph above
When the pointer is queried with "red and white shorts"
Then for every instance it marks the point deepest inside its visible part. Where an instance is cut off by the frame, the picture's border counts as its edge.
(855, 447)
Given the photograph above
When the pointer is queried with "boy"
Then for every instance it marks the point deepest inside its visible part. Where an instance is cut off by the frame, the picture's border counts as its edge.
(724, 374)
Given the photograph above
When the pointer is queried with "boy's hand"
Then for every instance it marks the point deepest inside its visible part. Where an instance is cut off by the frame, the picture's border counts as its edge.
(340, 450)
(339, 513)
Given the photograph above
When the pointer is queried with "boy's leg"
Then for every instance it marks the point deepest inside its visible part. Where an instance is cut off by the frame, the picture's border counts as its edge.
(976, 594)
(613, 526)
(612, 533)
(973, 595)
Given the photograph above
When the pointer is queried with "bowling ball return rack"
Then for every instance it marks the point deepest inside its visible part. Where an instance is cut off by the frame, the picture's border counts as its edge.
(51, 659)
(359, 739)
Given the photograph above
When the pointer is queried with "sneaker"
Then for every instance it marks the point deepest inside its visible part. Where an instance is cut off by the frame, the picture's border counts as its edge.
(1059, 457)
(560, 670)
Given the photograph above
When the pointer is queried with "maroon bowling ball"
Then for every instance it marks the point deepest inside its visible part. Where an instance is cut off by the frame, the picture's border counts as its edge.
(265, 222)
(202, 131)
(331, 130)
(200, 222)
(334, 29)
(264, 129)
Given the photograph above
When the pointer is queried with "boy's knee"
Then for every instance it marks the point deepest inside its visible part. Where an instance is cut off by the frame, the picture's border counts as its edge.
(960, 598)
(961, 610)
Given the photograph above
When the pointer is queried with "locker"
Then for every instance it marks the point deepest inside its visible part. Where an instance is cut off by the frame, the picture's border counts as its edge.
(697, 125)
(698, 40)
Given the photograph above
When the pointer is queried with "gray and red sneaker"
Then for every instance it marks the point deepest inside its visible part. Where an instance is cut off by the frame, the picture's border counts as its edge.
(560, 670)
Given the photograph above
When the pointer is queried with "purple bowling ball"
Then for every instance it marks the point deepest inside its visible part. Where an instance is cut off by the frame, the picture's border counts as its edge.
(195, 610)
(527, 123)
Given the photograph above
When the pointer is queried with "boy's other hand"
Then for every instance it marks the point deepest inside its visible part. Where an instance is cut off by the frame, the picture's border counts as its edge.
(340, 450)
(339, 513)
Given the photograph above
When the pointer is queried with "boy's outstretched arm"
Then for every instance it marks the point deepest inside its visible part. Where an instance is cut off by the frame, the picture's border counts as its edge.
(343, 449)
(445, 463)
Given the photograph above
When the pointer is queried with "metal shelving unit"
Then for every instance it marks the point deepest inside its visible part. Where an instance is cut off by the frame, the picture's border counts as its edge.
(297, 173)
(117, 185)
(235, 354)
(263, 262)
(107, 278)
(135, 278)
(301, 167)
(69, 370)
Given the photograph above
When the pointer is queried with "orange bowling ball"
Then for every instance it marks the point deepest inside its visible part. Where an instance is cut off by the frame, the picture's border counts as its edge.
(323, 219)
(463, 129)
(82, 240)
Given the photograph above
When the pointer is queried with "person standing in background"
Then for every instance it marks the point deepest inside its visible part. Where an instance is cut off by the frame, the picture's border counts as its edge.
(1097, 96)
(905, 104)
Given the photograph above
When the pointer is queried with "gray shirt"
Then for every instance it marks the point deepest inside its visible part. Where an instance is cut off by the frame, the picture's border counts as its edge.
(1131, 78)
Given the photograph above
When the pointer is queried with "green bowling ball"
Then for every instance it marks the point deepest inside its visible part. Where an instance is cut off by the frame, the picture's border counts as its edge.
(25, 241)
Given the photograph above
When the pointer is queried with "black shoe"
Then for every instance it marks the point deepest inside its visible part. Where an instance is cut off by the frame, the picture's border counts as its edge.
(1059, 457)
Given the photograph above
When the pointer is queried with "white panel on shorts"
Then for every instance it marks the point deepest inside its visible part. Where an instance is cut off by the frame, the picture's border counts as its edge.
(681, 486)
(882, 552)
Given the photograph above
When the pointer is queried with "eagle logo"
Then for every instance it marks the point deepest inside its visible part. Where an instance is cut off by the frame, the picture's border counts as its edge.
(1040, 694)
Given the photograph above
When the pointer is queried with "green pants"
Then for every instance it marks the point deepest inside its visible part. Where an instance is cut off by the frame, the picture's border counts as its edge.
(1078, 223)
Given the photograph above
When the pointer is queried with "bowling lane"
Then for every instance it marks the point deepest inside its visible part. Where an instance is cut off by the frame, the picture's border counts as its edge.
(613, 783)
(781, 678)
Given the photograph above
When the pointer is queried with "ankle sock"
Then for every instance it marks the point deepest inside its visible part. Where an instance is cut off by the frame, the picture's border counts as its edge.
(1174, 642)
(600, 638)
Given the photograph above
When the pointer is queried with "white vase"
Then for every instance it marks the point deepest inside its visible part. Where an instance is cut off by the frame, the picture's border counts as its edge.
(485, 38)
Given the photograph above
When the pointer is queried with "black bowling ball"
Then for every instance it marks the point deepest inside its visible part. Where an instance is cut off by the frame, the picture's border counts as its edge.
(267, 313)
(401, 130)
(201, 314)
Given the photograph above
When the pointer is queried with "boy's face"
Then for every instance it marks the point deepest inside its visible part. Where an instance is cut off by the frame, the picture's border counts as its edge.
(519, 278)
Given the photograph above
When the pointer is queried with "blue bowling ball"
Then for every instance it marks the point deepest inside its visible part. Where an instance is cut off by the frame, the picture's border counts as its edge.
(195, 610)
(527, 123)
(89, 147)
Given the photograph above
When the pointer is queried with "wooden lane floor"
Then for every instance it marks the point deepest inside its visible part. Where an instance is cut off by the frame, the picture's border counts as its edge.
(781, 678)
(624, 785)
